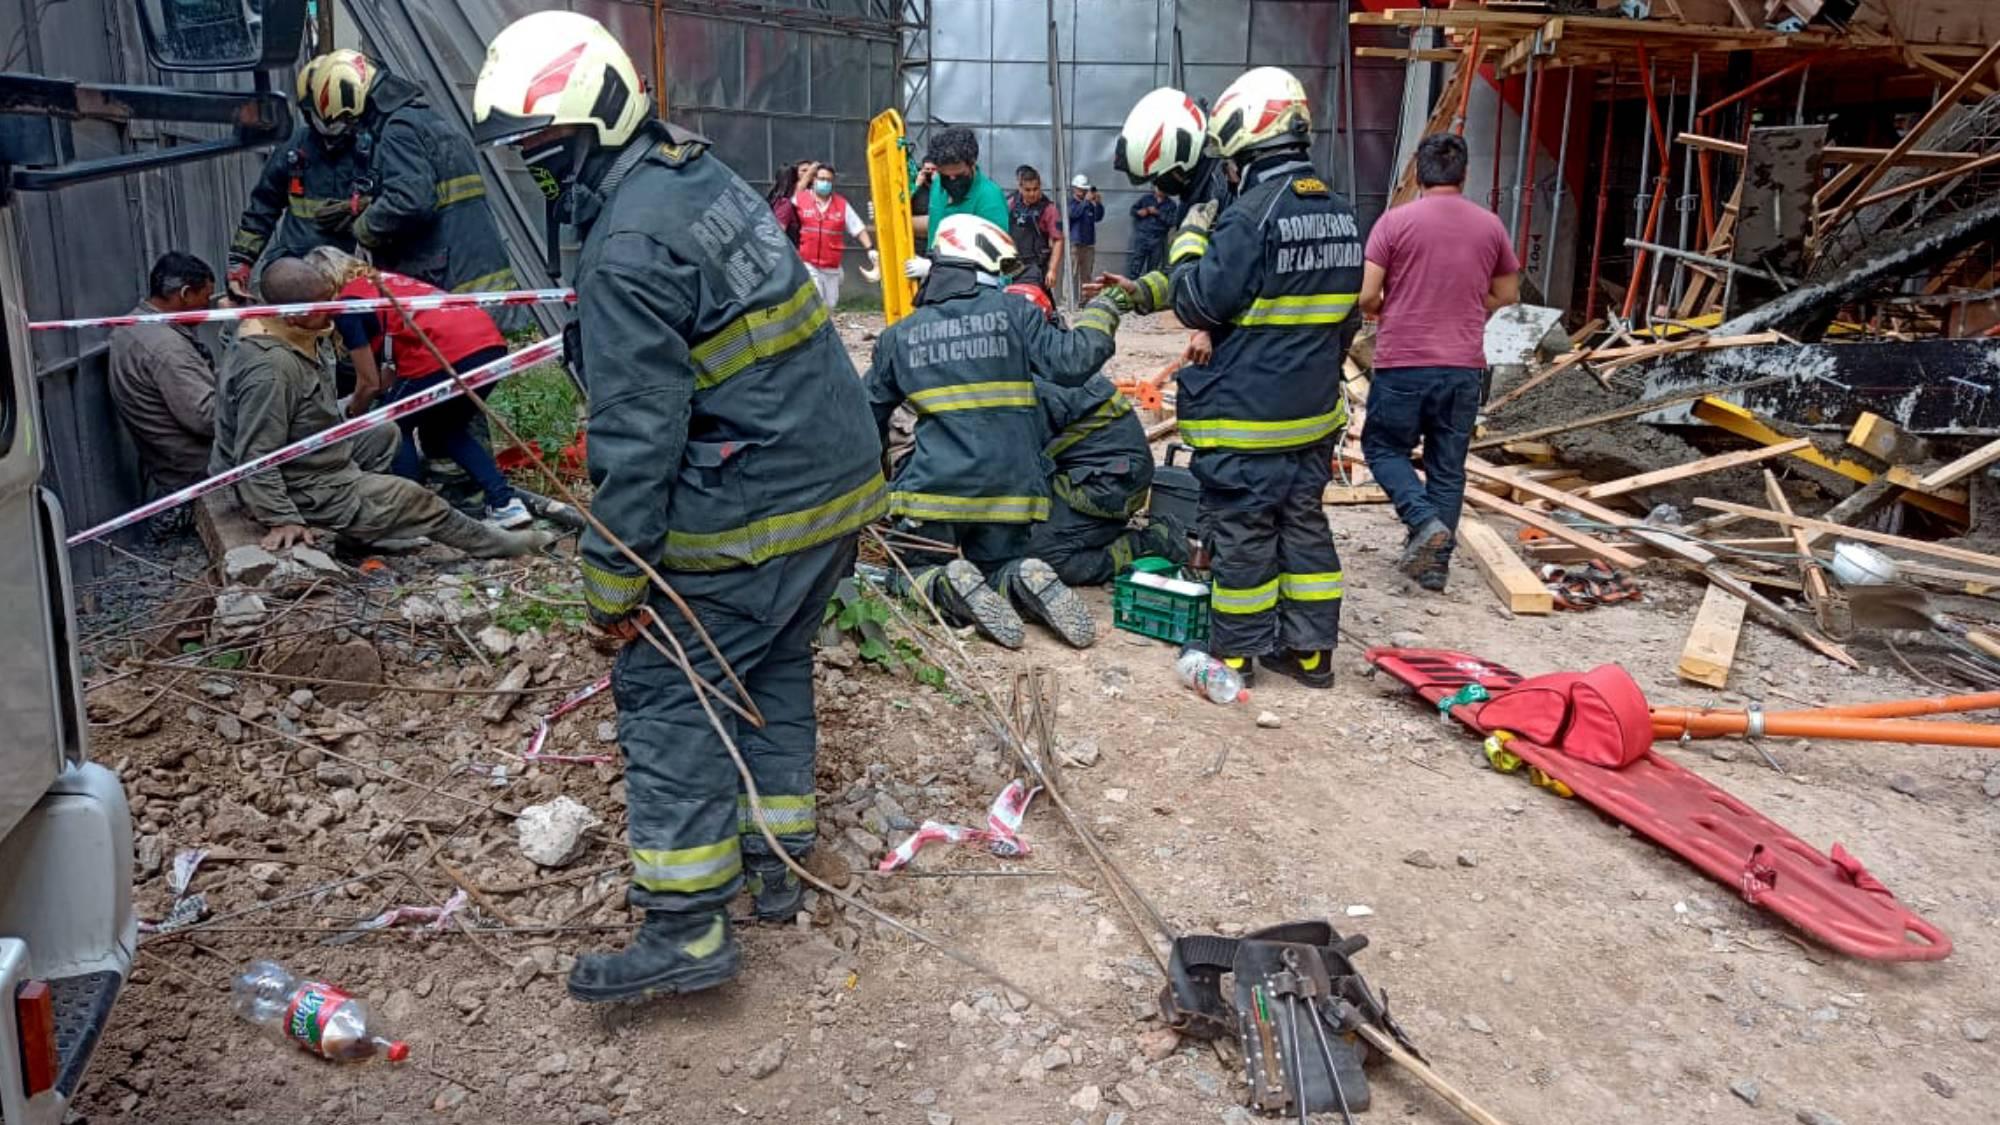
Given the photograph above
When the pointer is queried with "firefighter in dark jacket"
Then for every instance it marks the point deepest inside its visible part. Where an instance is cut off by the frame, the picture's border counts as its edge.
(1103, 473)
(731, 445)
(1274, 284)
(380, 169)
(967, 361)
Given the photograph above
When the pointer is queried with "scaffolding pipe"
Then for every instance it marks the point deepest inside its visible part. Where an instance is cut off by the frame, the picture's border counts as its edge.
(1561, 186)
(1603, 202)
(1761, 83)
(1686, 203)
(1688, 722)
(1524, 151)
(1659, 189)
(1058, 159)
(1499, 137)
(1347, 103)
(1666, 174)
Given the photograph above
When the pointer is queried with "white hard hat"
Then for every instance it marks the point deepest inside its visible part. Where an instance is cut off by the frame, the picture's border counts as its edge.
(1264, 106)
(1162, 135)
(977, 242)
(556, 68)
(1080, 181)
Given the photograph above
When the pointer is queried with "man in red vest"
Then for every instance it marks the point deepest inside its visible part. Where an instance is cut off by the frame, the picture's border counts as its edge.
(826, 222)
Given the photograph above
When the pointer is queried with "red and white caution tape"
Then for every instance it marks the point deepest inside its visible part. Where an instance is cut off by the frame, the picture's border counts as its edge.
(571, 702)
(1002, 834)
(536, 353)
(486, 300)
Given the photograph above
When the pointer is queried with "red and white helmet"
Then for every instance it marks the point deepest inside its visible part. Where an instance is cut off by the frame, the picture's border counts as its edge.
(1034, 295)
(1162, 136)
(976, 242)
(1264, 106)
(556, 68)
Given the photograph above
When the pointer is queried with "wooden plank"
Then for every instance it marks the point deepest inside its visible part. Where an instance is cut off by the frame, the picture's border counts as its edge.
(1862, 534)
(1711, 644)
(1422, 54)
(1944, 105)
(1965, 466)
(1743, 423)
(1908, 479)
(1567, 553)
(1616, 556)
(1520, 591)
(1732, 460)
(1540, 452)
(1809, 572)
(1354, 494)
(1690, 553)
(1837, 154)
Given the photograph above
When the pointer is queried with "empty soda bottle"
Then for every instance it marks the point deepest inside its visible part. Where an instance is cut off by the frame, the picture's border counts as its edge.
(1204, 673)
(317, 1016)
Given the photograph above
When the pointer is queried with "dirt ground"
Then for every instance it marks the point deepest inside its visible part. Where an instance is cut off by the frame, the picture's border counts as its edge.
(1554, 967)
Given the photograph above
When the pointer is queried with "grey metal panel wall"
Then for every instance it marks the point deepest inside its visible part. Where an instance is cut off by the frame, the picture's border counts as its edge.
(85, 251)
(988, 70)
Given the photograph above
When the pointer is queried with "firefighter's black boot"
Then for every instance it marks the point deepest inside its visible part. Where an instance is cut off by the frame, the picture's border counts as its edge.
(1313, 669)
(1041, 596)
(775, 890)
(671, 953)
(1243, 666)
(965, 591)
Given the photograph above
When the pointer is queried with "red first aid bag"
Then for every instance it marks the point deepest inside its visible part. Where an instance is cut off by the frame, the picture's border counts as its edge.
(1599, 716)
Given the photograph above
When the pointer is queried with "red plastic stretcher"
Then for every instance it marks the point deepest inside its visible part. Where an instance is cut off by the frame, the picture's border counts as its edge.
(1835, 900)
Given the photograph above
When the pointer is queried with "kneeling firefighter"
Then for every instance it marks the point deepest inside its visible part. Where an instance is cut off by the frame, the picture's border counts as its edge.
(729, 441)
(1274, 284)
(967, 361)
(1103, 473)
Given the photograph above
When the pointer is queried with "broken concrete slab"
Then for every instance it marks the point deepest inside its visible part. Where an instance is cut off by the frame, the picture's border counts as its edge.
(498, 706)
(553, 834)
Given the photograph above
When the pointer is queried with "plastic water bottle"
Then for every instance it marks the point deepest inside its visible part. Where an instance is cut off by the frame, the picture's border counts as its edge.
(316, 1016)
(1204, 673)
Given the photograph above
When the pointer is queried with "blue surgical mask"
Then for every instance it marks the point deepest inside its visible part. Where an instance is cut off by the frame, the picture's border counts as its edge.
(822, 187)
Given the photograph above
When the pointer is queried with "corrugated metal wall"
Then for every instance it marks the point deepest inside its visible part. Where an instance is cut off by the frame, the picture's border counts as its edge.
(85, 250)
(988, 69)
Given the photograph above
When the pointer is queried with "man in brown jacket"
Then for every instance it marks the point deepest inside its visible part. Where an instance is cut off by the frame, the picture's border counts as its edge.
(275, 389)
(163, 377)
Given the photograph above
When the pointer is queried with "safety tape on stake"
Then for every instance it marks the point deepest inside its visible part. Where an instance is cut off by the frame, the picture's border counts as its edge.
(308, 308)
(571, 702)
(534, 354)
(1002, 834)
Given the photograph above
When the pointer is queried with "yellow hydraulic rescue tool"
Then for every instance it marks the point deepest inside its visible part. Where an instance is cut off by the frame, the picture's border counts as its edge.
(889, 189)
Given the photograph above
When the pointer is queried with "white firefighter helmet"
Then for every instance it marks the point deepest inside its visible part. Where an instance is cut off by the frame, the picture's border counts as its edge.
(1264, 106)
(556, 68)
(977, 242)
(335, 88)
(1162, 136)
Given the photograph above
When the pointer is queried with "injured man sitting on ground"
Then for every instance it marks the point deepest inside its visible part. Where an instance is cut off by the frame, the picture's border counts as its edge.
(277, 387)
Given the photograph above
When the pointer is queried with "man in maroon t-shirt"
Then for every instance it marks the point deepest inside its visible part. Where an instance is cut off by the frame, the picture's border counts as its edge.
(1435, 268)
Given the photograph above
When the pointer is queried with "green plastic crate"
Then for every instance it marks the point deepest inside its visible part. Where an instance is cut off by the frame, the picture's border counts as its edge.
(1165, 615)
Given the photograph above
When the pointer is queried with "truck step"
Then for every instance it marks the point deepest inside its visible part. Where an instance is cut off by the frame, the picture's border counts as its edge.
(83, 1006)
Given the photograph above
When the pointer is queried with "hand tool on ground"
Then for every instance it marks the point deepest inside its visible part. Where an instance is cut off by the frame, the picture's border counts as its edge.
(1896, 606)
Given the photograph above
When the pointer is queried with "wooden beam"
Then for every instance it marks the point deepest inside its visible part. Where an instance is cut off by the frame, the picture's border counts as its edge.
(1965, 466)
(1874, 435)
(1711, 644)
(1943, 105)
(1354, 494)
(1520, 591)
(1743, 423)
(1564, 552)
(1838, 154)
(1616, 556)
(1422, 54)
(1956, 495)
(1732, 460)
(1914, 546)
(1809, 572)
(1693, 554)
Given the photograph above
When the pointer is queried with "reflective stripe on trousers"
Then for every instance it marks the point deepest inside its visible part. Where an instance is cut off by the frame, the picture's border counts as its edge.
(1323, 587)
(963, 509)
(1253, 599)
(973, 396)
(772, 536)
(1297, 309)
(687, 870)
(1238, 433)
(761, 334)
(784, 816)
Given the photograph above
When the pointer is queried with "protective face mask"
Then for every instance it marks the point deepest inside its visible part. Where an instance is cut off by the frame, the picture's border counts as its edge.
(956, 186)
(822, 187)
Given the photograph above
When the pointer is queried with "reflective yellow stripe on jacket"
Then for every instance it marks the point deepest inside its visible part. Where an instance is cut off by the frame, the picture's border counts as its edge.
(1233, 433)
(1107, 412)
(309, 207)
(612, 594)
(1297, 310)
(969, 509)
(783, 534)
(973, 396)
(458, 189)
(761, 334)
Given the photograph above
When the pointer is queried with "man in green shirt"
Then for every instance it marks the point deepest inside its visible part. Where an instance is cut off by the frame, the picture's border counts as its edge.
(958, 187)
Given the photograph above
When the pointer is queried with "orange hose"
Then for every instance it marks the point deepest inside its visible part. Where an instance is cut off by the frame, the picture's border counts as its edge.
(1673, 722)
(1904, 708)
